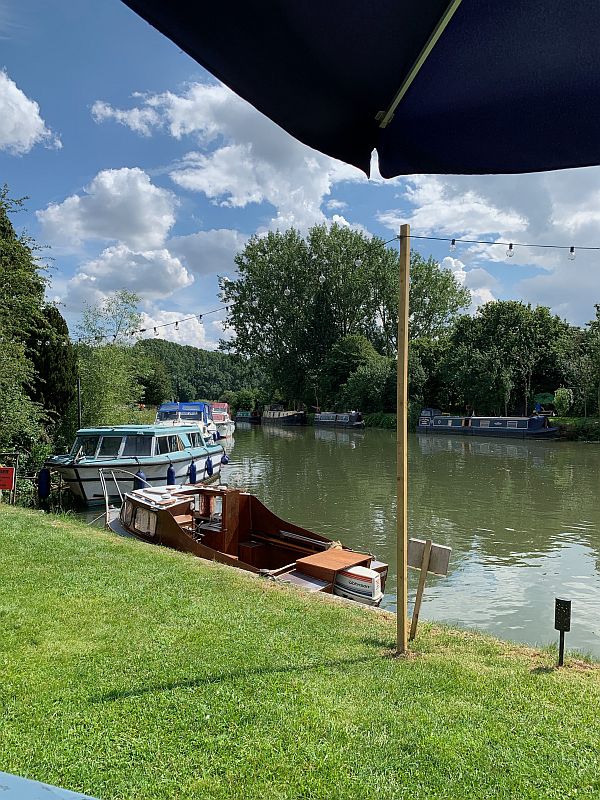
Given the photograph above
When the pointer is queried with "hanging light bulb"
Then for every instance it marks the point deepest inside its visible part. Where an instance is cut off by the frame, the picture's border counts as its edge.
(510, 252)
(322, 279)
(453, 245)
(286, 292)
(199, 317)
(358, 262)
(177, 326)
(155, 331)
(255, 303)
(571, 254)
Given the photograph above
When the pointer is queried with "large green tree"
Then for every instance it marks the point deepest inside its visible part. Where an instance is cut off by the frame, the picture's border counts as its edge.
(295, 299)
(498, 359)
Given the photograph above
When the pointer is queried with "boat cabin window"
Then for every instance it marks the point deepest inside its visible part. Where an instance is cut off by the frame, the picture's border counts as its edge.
(127, 512)
(110, 446)
(138, 446)
(145, 521)
(196, 439)
(168, 444)
(85, 446)
(192, 415)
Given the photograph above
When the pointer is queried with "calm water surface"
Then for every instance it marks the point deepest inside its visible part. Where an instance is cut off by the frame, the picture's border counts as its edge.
(522, 518)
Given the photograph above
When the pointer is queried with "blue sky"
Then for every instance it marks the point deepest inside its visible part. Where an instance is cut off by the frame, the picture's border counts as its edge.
(142, 171)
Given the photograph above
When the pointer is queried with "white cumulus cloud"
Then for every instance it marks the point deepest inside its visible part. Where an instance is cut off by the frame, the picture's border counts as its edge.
(242, 158)
(151, 274)
(21, 125)
(209, 252)
(120, 205)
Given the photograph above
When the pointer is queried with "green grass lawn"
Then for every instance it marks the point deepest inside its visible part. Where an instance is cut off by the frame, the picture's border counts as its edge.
(130, 671)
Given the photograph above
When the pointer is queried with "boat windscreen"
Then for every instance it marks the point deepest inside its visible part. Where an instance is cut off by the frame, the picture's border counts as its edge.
(191, 415)
(85, 446)
(166, 415)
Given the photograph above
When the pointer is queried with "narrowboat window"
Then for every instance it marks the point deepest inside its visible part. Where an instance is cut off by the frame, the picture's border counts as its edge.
(110, 446)
(85, 446)
(512, 423)
(196, 439)
(485, 423)
(168, 444)
(138, 446)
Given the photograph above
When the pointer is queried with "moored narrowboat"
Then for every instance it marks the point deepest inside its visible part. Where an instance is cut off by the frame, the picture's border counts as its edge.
(432, 421)
(277, 415)
(347, 419)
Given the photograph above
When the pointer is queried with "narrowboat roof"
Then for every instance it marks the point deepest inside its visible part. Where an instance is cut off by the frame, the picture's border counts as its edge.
(139, 430)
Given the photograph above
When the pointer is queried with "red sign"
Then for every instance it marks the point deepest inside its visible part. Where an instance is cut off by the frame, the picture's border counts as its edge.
(7, 478)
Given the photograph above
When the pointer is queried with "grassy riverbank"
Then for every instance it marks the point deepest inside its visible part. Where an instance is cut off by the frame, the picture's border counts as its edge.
(130, 671)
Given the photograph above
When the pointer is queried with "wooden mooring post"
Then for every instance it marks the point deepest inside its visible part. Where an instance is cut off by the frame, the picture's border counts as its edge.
(401, 445)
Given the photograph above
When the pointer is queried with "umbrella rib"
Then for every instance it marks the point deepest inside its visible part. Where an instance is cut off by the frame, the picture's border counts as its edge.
(385, 117)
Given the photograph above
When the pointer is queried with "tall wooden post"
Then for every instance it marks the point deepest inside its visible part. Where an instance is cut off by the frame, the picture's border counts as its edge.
(401, 439)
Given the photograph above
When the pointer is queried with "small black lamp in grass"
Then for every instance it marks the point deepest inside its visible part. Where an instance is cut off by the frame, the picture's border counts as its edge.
(562, 623)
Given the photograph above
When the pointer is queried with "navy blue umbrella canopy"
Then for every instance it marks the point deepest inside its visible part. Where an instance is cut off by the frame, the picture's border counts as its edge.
(504, 86)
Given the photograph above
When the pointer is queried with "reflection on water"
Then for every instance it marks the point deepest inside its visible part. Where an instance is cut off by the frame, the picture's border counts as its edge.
(523, 518)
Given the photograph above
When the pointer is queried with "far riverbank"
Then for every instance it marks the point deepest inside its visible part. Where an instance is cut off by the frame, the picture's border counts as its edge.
(571, 428)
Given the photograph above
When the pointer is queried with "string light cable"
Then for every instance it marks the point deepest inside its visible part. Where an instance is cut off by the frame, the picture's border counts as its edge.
(510, 246)
(156, 328)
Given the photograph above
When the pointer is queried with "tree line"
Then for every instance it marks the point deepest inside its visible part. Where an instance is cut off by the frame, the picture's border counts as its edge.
(318, 315)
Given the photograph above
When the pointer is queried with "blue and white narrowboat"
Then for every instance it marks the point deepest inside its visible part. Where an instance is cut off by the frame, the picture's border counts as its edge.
(431, 420)
(123, 451)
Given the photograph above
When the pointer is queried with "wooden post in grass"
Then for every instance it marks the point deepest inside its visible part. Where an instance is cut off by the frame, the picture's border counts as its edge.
(401, 446)
(420, 587)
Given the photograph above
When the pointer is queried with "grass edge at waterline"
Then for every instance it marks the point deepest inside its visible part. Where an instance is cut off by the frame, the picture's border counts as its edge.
(133, 671)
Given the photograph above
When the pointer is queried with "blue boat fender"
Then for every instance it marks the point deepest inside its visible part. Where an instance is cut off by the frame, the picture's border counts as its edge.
(44, 483)
(139, 480)
(224, 459)
(208, 466)
(193, 472)
(171, 475)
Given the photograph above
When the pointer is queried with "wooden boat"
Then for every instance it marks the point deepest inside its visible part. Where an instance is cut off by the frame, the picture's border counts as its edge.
(234, 527)
(431, 420)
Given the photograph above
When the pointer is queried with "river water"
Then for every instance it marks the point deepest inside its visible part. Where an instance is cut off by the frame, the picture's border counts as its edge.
(522, 518)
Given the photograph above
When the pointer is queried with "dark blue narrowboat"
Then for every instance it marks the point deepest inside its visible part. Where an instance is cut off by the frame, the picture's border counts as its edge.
(431, 420)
